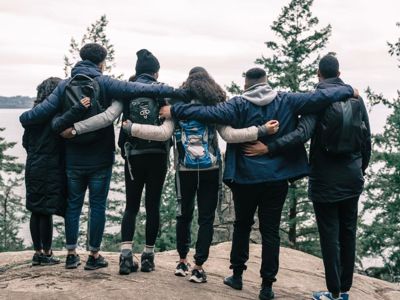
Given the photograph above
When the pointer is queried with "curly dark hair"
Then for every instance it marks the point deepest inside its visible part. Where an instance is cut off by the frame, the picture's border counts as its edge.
(45, 89)
(203, 87)
(94, 52)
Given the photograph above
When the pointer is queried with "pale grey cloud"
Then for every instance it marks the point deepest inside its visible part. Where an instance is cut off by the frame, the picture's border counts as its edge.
(225, 36)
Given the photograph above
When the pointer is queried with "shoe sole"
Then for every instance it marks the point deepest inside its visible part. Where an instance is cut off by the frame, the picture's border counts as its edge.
(264, 298)
(234, 287)
(35, 264)
(50, 264)
(180, 273)
(90, 268)
(74, 266)
(197, 280)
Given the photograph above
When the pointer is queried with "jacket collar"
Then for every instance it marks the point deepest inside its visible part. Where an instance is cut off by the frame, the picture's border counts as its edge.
(260, 94)
(87, 68)
(330, 82)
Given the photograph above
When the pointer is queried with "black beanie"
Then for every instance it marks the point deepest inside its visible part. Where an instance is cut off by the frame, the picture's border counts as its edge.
(146, 62)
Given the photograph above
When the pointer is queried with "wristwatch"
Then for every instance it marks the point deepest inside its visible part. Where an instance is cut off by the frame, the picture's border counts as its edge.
(73, 132)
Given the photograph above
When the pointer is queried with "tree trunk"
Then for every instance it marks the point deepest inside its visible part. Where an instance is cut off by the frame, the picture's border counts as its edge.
(292, 215)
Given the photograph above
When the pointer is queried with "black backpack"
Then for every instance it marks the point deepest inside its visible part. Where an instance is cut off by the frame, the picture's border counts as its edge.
(341, 128)
(78, 87)
(144, 110)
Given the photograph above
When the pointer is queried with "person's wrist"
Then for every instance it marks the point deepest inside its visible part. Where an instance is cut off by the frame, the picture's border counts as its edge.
(262, 131)
(74, 132)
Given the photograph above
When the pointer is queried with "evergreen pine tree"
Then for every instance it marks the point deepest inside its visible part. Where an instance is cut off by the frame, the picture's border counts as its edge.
(12, 212)
(291, 64)
(95, 33)
(380, 232)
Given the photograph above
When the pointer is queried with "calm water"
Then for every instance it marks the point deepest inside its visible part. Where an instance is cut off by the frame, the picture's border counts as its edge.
(9, 119)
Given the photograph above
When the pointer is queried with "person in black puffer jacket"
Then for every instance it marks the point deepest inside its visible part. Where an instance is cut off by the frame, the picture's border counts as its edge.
(45, 180)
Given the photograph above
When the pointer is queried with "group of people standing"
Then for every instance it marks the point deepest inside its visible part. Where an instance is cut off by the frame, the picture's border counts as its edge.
(69, 138)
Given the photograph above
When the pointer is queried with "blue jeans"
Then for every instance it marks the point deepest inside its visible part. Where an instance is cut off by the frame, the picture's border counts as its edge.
(98, 183)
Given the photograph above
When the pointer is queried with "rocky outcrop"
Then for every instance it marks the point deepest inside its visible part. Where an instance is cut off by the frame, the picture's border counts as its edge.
(299, 274)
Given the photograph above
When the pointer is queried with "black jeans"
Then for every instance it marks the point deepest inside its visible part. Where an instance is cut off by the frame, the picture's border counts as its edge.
(148, 170)
(205, 185)
(269, 199)
(337, 226)
(41, 227)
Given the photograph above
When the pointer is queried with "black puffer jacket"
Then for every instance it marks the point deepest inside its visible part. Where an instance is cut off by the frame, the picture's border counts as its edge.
(45, 178)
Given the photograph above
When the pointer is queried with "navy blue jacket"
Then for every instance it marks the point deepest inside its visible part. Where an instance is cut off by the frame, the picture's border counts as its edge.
(241, 113)
(99, 154)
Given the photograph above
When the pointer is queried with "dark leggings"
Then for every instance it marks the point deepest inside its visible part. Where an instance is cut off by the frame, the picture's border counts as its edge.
(148, 170)
(41, 227)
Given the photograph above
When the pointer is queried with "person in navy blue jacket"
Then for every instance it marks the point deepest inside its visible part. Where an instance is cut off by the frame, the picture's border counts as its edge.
(260, 181)
(90, 166)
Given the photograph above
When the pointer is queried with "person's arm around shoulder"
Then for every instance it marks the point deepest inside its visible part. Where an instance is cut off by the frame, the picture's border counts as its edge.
(45, 110)
(303, 132)
(75, 113)
(125, 90)
(232, 135)
(308, 103)
(150, 132)
(101, 120)
(226, 113)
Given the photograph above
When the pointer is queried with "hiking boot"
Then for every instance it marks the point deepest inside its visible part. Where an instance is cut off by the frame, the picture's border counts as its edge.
(147, 262)
(127, 265)
(198, 276)
(182, 269)
(234, 282)
(48, 260)
(266, 293)
(72, 261)
(95, 263)
(36, 259)
(324, 296)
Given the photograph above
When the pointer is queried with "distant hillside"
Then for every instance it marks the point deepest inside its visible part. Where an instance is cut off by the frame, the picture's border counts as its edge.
(16, 102)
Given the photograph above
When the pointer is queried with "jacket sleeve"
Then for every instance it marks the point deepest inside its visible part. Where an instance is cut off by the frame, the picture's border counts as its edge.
(232, 135)
(63, 121)
(101, 120)
(303, 132)
(45, 110)
(308, 103)
(226, 113)
(118, 89)
(154, 133)
(366, 148)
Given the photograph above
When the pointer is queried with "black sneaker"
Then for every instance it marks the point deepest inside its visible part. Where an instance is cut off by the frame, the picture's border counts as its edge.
(95, 263)
(182, 269)
(234, 282)
(127, 265)
(198, 276)
(72, 261)
(266, 293)
(48, 260)
(36, 259)
(147, 262)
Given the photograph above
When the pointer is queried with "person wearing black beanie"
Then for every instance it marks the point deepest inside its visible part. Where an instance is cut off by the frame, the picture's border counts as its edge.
(146, 63)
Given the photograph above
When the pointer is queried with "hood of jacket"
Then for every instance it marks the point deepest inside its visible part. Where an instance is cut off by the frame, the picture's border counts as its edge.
(260, 94)
(86, 67)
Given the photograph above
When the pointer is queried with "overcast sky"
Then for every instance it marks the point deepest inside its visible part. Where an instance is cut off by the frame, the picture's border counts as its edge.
(225, 36)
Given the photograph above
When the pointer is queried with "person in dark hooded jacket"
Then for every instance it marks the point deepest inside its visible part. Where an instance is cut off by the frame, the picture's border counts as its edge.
(90, 166)
(45, 179)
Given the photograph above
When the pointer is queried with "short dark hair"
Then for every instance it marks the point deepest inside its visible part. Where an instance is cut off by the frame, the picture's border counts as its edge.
(329, 66)
(255, 74)
(94, 52)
